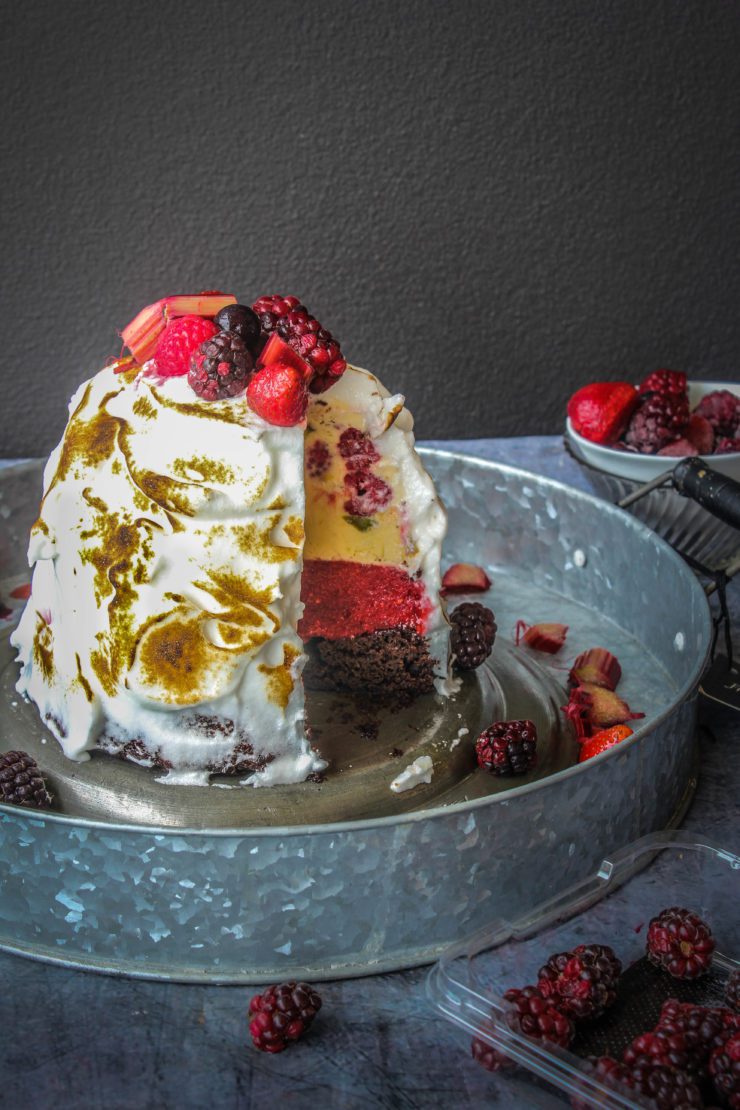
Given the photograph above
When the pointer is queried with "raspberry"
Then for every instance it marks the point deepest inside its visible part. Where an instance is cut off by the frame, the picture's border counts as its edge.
(727, 446)
(680, 942)
(659, 419)
(357, 448)
(582, 983)
(21, 783)
(292, 322)
(278, 394)
(507, 748)
(282, 1014)
(732, 991)
(664, 381)
(366, 493)
(179, 341)
(722, 409)
(472, 634)
(724, 1071)
(220, 367)
(242, 320)
(318, 459)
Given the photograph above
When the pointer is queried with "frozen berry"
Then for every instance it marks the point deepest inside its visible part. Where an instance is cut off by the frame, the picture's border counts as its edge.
(701, 433)
(242, 320)
(680, 942)
(179, 341)
(600, 411)
(472, 634)
(724, 1071)
(220, 367)
(278, 394)
(318, 459)
(271, 308)
(21, 783)
(282, 1014)
(732, 991)
(722, 409)
(727, 445)
(659, 419)
(664, 381)
(507, 748)
(293, 323)
(582, 983)
(366, 494)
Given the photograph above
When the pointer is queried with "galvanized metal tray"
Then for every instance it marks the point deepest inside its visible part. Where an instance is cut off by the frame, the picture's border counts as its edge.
(345, 878)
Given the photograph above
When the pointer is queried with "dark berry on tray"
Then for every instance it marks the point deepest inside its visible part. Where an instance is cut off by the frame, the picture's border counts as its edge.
(582, 983)
(507, 748)
(282, 1014)
(472, 634)
(679, 942)
(221, 367)
(21, 783)
(241, 320)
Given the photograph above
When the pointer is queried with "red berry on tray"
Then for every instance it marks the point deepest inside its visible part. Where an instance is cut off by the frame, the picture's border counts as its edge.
(600, 411)
(278, 394)
(602, 741)
(679, 942)
(659, 420)
(507, 748)
(664, 381)
(582, 983)
(546, 636)
(179, 341)
(281, 1015)
(724, 1071)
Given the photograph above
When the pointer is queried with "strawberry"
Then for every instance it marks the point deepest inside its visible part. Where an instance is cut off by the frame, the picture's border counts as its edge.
(464, 578)
(598, 666)
(548, 637)
(179, 340)
(601, 411)
(602, 741)
(278, 394)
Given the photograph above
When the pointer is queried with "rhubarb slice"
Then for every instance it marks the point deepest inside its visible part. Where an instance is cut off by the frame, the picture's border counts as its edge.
(548, 636)
(592, 708)
(142, 333)
(597, 666)
(464, 578)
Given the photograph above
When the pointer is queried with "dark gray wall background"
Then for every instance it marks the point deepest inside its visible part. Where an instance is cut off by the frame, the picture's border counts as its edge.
(489, 203)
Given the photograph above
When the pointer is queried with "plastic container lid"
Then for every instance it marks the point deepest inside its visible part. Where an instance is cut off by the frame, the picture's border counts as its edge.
(664, 869)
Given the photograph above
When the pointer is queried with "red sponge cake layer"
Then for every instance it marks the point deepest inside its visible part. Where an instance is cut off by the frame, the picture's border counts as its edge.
(346, 599)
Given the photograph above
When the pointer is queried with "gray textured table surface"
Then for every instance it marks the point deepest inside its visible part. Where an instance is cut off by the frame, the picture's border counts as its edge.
(88, 1042)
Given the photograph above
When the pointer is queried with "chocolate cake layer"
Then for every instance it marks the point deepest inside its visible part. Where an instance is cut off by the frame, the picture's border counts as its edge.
(392, 662)
(239, 758)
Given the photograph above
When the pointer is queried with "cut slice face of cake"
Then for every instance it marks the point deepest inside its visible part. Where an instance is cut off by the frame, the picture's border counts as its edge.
(216, 518)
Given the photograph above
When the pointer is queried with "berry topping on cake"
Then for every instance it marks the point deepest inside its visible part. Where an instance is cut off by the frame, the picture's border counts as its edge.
(507, 748)
(21, 783)
(178, 343)
(472, 634)
(464, 578)
(600, 411)
(664, 381)
(722, 409)
(658, 421)
(597, 666)
(281, 1015)
(680, 943)
(242, 320)
(142, 333)
(293, 323)
(277, 350)
(602, 741)
(278, 394)
(581, 983)
(220, 367)
(547, 636)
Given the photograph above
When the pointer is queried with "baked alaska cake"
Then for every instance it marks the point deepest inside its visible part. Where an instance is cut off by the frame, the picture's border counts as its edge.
(232, 510)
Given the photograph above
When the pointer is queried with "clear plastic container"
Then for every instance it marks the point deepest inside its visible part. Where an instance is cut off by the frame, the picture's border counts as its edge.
(663, 869)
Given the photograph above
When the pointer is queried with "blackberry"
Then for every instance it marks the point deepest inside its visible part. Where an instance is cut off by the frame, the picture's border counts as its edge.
(472, 634)
(732, 991)
(659, 1048)
(606, 1070)
(538, 1017)
(657, 421)
(583, 983)
(700, 1027)
(221, 367)
(679, 942)
(242, 320)
(722, 409)
(294, 323)
(724, 1071)
(664, 381)
(668, 1087)
(21, 783)
(282, 1014)
(488, 1057)
(507, 748)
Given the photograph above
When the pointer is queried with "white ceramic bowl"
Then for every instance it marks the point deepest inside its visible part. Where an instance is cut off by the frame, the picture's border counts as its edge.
(643, 468)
